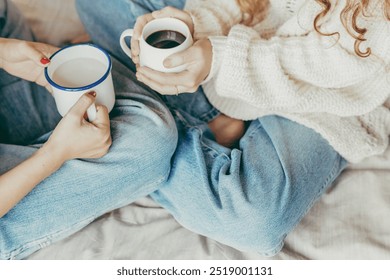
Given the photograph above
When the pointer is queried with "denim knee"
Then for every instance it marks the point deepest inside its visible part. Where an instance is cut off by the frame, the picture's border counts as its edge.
(252, 227)
(260, 221)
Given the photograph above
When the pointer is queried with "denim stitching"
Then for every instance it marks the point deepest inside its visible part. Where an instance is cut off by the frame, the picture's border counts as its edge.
(333, 172)
(328, 180)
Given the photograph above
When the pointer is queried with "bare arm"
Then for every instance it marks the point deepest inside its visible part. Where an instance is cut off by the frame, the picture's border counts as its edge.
(25, 59)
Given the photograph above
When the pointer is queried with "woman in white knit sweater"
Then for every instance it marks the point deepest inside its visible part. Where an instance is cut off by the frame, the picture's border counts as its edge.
(310, 78)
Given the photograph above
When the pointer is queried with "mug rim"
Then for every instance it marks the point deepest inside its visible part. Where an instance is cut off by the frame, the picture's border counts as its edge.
(89, 86)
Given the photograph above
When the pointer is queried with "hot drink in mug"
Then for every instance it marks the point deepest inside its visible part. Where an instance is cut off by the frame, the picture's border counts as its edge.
(160, 38)
(77, 69)
(165, 39)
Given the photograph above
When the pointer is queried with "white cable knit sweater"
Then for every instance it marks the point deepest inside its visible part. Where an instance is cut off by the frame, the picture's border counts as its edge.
(283, 66)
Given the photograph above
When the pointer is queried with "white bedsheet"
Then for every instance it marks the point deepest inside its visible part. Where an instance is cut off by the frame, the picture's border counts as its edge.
(351, 221)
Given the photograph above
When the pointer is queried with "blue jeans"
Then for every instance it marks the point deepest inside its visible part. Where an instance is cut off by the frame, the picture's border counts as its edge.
(249, 197)
(144, 139)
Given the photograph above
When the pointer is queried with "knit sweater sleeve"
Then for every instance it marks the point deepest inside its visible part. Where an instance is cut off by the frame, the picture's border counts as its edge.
(213, 17)
(302, 73)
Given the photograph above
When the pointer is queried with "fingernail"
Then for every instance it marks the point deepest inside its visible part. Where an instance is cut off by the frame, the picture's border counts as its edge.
(45, 60)
(92, 93)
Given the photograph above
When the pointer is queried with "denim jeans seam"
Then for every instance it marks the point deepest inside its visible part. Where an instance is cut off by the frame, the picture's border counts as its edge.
(274, 251)
(210, 151)
(331, 175)
(215, 152)
(196, 127)
(164, 177)
(254, 131)
(210, 115)
(41, 243)
(180, 117)
(334, 171)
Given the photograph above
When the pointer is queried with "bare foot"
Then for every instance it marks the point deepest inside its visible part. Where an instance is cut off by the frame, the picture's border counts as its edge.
(227, 131)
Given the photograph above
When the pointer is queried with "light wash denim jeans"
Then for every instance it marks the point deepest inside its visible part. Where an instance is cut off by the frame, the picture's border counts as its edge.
(250, 197)
(144, 139)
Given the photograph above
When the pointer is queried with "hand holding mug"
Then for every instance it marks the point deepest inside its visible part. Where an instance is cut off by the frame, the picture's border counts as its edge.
(77, 69)
(171, 70)
(26, 60)
(74, 137)
(196, 61)
(167, 12)
(156, 39)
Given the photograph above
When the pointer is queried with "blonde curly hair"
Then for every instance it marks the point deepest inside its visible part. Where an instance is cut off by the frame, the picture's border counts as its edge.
(256, 9)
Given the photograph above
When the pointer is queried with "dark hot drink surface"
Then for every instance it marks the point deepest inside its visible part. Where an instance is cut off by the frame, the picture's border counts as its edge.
(165, 39)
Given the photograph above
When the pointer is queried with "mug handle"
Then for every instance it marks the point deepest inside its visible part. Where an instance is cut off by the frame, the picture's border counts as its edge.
(124, 46)
(91, 112)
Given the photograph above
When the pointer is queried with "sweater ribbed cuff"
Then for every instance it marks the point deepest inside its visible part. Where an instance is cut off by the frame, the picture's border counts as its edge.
(219, 46)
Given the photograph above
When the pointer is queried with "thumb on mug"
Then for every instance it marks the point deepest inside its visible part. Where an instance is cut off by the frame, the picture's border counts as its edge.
(82, 105)
(102, 116)
(178, 59)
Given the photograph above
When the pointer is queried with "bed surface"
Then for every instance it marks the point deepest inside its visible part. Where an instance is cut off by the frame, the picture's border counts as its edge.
(351, 221)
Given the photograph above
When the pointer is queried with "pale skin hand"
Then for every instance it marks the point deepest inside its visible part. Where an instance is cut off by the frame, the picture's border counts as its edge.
(197, 59)
(23, 59)
(83, 139)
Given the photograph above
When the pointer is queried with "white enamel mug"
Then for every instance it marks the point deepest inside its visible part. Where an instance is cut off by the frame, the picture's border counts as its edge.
(77, 69)
(153, 57)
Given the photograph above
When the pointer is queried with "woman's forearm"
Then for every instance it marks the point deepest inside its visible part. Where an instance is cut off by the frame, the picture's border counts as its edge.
(19, 181)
